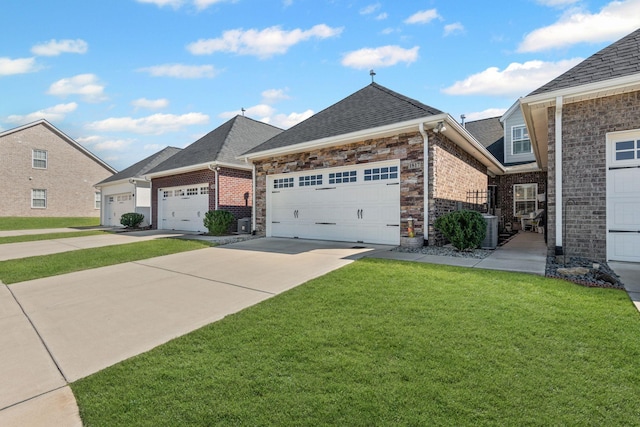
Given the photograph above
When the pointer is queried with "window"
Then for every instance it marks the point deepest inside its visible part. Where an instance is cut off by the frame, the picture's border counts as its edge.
(378, 174)
(192, 191)
(38, 198)
(204, 190)
(628, 150)
(343, 177)
(525, 199)
(167, 193)
(39, 159)
(283, 183)
(97, 200)
(306, 181)
(520, 142)
(178, 193)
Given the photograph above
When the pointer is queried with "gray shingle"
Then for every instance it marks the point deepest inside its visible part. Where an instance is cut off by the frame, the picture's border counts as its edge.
(138, 169)
(222, 144)
(619, 59)
(370, 107)
(490, 133)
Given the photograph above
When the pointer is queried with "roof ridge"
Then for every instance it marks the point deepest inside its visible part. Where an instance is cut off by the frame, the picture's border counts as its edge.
(399, 96)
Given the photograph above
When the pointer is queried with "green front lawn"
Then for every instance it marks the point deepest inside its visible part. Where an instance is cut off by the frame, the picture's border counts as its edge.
(49, 236)
(21, 223)
(391, 343)
(19, 270)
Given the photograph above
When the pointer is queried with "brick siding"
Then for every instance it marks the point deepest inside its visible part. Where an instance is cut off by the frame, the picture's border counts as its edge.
(235, 190)
(504, 198)
(584, 128)
(450, 170)
(69, 178)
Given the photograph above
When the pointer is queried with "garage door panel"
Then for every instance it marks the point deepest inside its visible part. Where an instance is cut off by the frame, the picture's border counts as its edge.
(624, 246)
(183, 208)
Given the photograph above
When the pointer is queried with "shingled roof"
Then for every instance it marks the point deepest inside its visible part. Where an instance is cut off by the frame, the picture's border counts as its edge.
(490, 133)
(223, 144)
(371, 107)
(138, 169)
(619, 59)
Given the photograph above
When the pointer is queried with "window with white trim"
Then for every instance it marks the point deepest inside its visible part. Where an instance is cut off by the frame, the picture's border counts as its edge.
(283, 183)
(525, 199)
(627, 150)
(520, 142)
(192, 191)
(97, 198)
(39, 198)
(378, 174)
(343, 177)
(178, 193)
(309, 180)
(204, 190)
(39, 159)
(167, 193)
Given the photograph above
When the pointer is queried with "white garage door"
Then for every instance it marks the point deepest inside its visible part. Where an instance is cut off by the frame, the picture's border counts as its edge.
(117, 205)
(623, 198)
(354, 204)
(183, 208)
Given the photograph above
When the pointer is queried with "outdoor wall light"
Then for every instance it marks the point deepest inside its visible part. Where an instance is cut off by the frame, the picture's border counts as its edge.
(440, 127)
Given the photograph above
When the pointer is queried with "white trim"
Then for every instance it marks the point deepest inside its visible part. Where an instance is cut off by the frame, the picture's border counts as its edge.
(192, 168)
(425, 190)
(519, 140)
(558, 171)
(45, 198)
(33, 158)
(513, 189)
(510, 111)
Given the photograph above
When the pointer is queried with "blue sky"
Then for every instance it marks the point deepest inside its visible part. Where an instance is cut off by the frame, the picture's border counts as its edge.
(126, 78)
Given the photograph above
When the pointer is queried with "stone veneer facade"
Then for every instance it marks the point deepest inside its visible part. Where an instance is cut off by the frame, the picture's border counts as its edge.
(584, 128)
(235, 190)
(453, 172)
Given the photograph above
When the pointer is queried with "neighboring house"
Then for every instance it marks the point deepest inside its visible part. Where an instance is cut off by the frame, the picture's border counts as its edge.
(207, 175)
(128, 190)
(45, 173)
(359, 169)
(585, 131)
(521, 191)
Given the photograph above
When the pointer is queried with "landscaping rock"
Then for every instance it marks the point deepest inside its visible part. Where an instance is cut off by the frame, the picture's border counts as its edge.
(573, 271)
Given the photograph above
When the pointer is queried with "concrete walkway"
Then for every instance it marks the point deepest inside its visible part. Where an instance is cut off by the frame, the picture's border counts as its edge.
(59, 329)
(525, 253)
(629, 273)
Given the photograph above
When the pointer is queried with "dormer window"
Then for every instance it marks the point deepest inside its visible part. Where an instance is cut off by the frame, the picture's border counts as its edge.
(520, 142)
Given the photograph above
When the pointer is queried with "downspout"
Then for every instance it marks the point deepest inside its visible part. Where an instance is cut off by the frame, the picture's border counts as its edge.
(558, 176)
(425, 168)
(216, 173)
(253, 198)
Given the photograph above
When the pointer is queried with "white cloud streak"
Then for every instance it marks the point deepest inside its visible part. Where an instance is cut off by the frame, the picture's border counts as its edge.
(384, 56)
(150, 104)
(423, 17)
(10, 66)
(54, 47)
(181, 71)
(155, 124)
(261, 43)
(515, 80)
(485, 114)
(52, 114)
(87, 86)
(452, 29)
(612, 22)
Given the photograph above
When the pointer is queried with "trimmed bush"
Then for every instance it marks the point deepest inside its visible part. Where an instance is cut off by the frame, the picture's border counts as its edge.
(218, 222)
(464, 229)
(131, 219)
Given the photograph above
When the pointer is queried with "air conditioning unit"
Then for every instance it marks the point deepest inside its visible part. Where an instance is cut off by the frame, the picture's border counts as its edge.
(491, 239)
(244, 226)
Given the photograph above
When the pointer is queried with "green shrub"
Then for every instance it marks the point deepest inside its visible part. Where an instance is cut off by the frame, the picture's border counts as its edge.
(464, 229)
(131, 219)
(218, 222)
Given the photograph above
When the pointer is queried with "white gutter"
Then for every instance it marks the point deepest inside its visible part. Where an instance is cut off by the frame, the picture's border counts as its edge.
(425, 167)
(192, 168)
(558, 171)
(216, 171)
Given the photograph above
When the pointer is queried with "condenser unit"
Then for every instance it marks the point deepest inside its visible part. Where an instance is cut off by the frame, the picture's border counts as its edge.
(491, 239)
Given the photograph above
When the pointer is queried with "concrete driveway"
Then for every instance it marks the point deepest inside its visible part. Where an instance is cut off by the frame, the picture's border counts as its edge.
(59, 329)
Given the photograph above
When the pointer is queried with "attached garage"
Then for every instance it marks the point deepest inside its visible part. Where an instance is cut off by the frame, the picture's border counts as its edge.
(183, 208)
(115, 206)
(623, 197)
(359, 203)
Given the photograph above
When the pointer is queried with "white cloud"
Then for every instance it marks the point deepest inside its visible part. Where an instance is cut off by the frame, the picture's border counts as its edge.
(614, 20)
(263, 44)
(485, 114)
(384, 56)
(113, 145)
(382, 16)
(181, 71)
(423, 17)
(54, 47)
(285, 121)
(515, 80)
(154, 147)
(10, 66)
(368, 10)
(52, 114)
(203, 4)
(267, 114)
(155, 124)
(89, 140)
(150, 104)
(271, 96)
(85, 85)
(452, 29)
